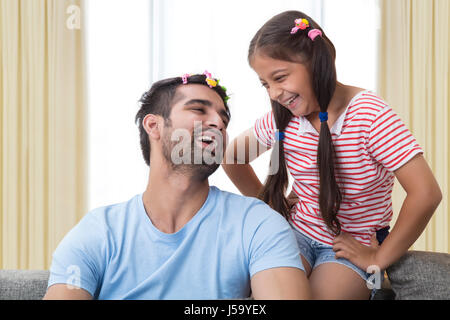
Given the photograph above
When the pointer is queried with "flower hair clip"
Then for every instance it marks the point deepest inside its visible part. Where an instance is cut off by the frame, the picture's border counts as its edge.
(209, 80)
(185, 77)
(213, 83)
(302, 24)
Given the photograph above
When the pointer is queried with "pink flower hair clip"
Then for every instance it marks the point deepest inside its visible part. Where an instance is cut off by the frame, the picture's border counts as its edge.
(300, 24)
(185, 77)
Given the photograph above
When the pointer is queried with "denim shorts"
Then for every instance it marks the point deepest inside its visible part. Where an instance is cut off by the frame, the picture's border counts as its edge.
(317, 253)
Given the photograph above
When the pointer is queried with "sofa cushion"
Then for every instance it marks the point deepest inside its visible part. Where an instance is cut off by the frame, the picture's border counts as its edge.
(23, 284)
(421, 275)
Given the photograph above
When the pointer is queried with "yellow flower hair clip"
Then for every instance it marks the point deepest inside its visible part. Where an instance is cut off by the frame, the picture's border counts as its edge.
(209, 80)
(300, 24)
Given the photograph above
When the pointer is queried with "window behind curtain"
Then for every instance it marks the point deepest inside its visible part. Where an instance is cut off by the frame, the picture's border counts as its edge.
(132, 43)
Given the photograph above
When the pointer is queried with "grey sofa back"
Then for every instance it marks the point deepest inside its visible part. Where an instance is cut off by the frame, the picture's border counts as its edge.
(417, 275)
(23, 284)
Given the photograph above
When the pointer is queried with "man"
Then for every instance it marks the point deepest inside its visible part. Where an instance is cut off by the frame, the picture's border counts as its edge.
(181, 238)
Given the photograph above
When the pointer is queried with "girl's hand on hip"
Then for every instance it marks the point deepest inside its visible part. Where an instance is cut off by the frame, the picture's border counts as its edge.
(345, 246)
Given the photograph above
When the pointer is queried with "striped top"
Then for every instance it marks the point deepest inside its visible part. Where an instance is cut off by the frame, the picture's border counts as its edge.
(370, 141)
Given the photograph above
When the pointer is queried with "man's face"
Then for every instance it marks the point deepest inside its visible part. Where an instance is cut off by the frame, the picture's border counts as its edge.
(195, 136)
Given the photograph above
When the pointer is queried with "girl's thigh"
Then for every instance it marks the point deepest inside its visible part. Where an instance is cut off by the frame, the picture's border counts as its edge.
(306, 265)
(334, 281)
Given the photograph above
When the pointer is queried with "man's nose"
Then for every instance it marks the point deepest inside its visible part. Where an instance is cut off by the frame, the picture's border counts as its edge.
(215, 121)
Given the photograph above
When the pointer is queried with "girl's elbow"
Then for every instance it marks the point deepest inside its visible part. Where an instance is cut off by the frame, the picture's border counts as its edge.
(433, 197)
(438, 197)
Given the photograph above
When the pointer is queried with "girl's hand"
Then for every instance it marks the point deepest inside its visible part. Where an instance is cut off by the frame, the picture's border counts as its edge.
(360, 255)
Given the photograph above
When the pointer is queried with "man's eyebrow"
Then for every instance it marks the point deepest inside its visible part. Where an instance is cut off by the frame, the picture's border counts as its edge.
(199, 101)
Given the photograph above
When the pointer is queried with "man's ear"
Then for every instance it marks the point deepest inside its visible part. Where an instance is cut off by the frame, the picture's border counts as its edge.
(152, 125)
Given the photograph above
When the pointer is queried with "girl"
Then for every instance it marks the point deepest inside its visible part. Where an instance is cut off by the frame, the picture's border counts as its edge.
(343, 146)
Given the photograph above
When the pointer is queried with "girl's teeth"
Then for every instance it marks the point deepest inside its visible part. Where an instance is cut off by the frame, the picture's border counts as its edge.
(290, 101)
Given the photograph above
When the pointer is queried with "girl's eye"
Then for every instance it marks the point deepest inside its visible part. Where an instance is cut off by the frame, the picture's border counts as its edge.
(199, 110)
(264, 85)
(280, 78)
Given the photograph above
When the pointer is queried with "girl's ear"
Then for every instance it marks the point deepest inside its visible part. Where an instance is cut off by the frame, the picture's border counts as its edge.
(152, 125)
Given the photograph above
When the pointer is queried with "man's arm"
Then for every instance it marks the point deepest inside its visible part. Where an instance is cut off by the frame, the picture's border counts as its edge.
(283, 283)
(66, 292)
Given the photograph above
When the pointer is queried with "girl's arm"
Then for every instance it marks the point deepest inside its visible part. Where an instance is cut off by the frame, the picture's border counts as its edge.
(239, 153)
(423, 197)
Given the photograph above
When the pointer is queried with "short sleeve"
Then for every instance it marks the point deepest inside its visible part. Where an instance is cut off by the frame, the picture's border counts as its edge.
(78, 260)
(271, 241)
(264, 129)
(390, 142)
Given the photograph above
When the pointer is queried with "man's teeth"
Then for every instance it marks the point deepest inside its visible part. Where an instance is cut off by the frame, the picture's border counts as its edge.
(206, 138)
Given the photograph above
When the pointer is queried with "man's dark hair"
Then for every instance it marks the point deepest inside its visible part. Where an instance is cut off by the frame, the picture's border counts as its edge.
(159, 100)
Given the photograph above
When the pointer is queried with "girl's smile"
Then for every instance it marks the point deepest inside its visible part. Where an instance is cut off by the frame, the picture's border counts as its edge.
(286, 82)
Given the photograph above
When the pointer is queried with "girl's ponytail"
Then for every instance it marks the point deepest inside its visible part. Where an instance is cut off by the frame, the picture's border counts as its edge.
(324, 85)
(275, 186)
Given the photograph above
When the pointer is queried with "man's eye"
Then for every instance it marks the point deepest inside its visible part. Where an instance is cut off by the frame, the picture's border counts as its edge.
(264, 85)
(199, 110)
(280, 78)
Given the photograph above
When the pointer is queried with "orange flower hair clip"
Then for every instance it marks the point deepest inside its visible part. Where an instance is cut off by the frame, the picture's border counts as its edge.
(300, 24)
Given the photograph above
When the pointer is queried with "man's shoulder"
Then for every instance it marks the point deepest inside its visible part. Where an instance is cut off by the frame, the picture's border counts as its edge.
(249, 206)
(238, 199)
(111, 214)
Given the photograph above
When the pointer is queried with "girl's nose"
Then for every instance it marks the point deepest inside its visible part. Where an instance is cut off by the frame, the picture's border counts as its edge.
(275, 93)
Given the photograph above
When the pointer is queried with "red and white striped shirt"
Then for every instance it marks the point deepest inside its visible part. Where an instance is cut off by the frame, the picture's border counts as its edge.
(370, 141)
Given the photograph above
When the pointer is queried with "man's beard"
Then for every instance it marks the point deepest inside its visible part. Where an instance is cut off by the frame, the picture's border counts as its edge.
(195, 164)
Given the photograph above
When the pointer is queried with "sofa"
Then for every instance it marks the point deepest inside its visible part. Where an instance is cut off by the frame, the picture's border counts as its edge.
(418, 275)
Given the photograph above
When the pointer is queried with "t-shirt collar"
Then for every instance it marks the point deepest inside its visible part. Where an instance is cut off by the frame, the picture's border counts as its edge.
(304, 126)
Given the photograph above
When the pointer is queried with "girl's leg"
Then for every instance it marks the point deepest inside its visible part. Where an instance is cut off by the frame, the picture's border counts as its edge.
(306, 265)
(334, 281)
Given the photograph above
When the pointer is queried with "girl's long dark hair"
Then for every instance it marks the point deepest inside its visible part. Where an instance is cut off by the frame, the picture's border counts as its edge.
(275, 40)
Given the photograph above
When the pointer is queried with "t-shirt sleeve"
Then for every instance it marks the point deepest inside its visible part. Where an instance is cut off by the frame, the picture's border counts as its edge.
(78, 260)
(264, 129)
(271, 241)
(390, 142)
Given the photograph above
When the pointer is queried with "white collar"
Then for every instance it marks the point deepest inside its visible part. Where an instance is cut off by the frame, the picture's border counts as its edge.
(304, 126)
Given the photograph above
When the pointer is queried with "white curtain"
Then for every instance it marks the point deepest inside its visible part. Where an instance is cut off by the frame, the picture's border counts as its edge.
(191, 36)
(155, 39)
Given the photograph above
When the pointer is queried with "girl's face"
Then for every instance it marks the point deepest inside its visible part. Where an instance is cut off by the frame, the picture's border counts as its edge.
(286, 82)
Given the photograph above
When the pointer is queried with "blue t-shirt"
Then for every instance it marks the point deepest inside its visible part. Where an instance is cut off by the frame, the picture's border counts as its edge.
(115, 252)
